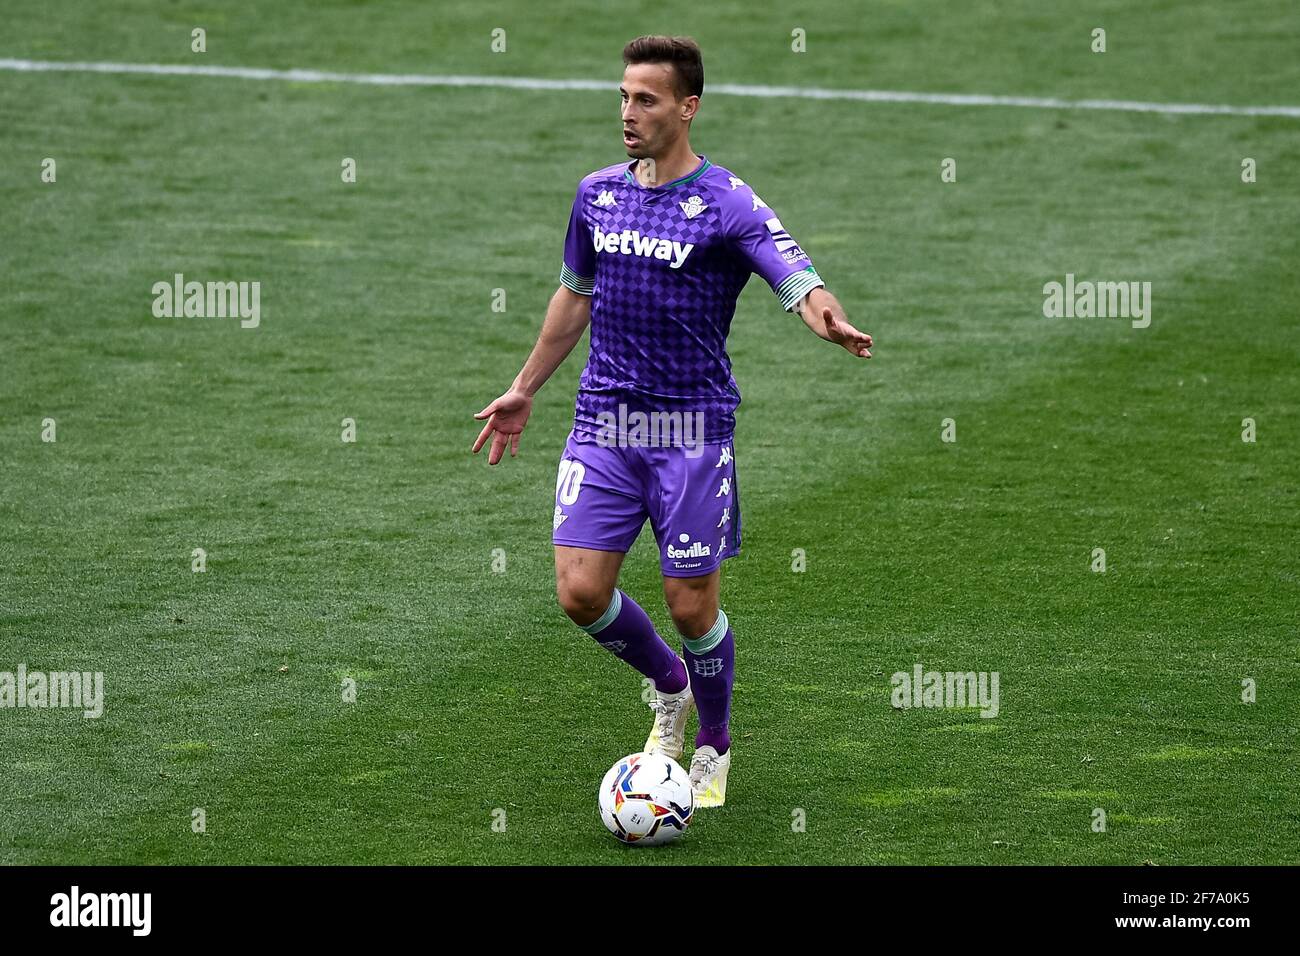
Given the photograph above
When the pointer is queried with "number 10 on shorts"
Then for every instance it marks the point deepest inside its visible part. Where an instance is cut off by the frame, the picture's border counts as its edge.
(569, 481)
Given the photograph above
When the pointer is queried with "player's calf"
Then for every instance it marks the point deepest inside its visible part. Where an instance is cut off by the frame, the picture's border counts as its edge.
(711, 663)
(625, 630)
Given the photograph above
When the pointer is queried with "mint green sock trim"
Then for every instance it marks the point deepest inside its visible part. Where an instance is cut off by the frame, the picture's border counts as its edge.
(606, 619)
(702, 645)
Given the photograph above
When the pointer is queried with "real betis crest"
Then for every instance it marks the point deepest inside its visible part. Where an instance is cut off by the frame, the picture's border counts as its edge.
(693, 207)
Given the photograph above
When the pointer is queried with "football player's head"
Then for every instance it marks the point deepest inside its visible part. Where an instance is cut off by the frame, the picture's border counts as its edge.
(663, 78)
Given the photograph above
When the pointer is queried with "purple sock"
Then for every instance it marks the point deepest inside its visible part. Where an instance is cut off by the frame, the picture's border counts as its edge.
(626, 631)
(711, 660)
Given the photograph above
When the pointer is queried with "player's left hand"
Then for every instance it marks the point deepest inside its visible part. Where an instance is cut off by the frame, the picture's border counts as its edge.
(841, 333)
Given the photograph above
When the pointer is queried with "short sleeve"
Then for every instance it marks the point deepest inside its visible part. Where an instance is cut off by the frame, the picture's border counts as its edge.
(772, 253)
(578, 270)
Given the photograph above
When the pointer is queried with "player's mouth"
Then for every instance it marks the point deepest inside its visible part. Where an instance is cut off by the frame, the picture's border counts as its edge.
(630, 138)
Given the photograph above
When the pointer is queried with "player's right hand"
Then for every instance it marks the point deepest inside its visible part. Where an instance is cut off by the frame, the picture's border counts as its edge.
(506, 417)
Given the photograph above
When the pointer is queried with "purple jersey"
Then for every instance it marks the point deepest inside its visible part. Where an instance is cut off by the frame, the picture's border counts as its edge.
(664, 267)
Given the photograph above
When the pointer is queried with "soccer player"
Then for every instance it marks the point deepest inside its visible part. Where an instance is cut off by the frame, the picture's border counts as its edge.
(657, 252)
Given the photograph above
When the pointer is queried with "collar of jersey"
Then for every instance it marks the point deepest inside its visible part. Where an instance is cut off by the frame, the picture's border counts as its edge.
(681, 181)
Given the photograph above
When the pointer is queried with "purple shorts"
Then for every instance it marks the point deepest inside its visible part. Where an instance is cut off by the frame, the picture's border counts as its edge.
(604, 493)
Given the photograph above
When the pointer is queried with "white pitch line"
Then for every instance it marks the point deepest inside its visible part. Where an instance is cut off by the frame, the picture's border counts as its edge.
(726, 89)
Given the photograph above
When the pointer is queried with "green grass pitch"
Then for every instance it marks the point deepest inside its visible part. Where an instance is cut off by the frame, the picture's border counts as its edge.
(373, 560)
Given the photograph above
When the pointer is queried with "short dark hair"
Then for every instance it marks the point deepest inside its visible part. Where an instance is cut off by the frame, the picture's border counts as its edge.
(682, 52)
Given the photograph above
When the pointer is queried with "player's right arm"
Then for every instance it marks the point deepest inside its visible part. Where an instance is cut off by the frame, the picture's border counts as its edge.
(567, 317)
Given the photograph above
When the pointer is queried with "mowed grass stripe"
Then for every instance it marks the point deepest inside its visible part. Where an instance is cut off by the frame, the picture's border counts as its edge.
(751, 90)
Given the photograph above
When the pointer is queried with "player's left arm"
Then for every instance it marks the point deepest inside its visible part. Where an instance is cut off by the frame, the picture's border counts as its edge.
(823, 313)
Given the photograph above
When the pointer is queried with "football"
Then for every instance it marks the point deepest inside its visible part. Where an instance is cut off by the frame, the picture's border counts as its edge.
(646, 799)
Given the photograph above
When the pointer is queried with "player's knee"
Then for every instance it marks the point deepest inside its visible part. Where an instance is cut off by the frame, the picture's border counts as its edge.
(693, 614)
(583, 600)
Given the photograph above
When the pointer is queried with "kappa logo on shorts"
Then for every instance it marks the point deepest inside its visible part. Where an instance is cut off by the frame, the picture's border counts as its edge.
(698, 549)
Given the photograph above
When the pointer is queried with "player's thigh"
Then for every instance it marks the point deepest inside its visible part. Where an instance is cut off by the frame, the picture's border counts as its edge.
(586, 578)
(598, 515)
(694, 602)
(598, 499)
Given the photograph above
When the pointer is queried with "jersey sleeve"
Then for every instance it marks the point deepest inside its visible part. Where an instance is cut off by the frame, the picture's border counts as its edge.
(771, 252)
(578, 268)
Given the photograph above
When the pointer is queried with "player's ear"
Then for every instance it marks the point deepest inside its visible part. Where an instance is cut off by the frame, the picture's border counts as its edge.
(690, 106)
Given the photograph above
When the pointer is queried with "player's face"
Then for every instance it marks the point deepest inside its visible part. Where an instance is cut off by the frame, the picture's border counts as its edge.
(653, 116)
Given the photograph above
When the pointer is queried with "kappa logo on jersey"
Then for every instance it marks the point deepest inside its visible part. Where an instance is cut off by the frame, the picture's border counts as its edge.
(630, 242)
(785, 243)
(758, 203)
(606, 198)
(735, 181)
(693, 207)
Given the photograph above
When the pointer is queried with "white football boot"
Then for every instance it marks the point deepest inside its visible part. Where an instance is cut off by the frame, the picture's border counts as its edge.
(668, 735)
(709, 776)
